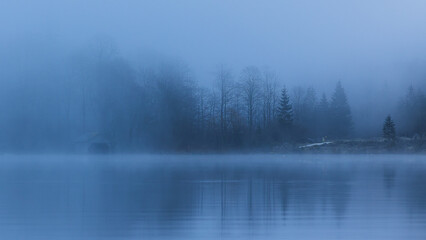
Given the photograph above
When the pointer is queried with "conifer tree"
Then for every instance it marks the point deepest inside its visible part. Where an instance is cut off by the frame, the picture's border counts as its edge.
(308, 119)
(323, 114)
(340, 113)
(285, 110)
(389, 129)
(413, 113)
(323, 104)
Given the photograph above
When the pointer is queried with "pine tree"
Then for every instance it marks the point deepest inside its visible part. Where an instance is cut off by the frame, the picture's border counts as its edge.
(285, 110)
(323, 102)
(413, 113)
(323, 114)
(389, 129)
(340, 113)
(308, 119)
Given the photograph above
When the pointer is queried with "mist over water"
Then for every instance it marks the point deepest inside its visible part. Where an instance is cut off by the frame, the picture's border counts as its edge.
(211, 197)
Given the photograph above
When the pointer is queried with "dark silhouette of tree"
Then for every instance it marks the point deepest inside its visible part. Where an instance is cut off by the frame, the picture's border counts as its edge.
(297, 102)
(340, 113)
(389, 129)
(250, 87)
(285, 110)
(308, 119)
(323, 114)
(270, 97)
(412, 113)
(225, 88)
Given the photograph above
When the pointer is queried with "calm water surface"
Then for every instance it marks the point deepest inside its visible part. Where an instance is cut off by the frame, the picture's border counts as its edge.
(213, 197)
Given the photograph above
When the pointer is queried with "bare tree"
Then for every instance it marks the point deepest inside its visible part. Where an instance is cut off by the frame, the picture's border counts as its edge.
(225, 86)
(250, 81)
(269, 97)
(212, 110)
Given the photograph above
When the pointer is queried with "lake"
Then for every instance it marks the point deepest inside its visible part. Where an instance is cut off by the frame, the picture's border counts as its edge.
(213, 197)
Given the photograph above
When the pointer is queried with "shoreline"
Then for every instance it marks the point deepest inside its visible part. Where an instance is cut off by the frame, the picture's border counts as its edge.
(343, 146)
(367, 146)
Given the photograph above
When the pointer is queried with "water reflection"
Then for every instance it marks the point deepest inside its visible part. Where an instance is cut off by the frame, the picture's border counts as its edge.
(201, 197)
(415, 189)
(389, 173)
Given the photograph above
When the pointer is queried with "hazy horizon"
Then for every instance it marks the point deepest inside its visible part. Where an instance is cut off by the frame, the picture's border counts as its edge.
(377, 49)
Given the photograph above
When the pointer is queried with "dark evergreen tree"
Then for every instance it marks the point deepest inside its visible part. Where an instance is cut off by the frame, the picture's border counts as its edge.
(412, 114)
(389, 129)
(323, 115)
(285, 110)
(308, 120)
(340, 114)
(323, 105)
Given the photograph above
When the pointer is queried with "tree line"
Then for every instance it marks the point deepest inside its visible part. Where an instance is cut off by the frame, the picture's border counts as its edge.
(162, 108)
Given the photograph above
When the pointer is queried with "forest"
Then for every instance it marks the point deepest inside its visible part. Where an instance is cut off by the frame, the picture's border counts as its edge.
(163, 108)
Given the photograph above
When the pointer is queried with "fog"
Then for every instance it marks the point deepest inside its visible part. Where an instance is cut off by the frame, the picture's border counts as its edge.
(50, 51)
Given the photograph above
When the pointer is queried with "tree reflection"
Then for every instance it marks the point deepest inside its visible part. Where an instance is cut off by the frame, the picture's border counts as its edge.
(415, 190)
(160, 200)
